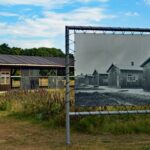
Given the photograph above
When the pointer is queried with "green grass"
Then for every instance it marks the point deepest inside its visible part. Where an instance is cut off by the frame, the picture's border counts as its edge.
(48, 107)
(36, 121)
(117, 125)
(26, 133)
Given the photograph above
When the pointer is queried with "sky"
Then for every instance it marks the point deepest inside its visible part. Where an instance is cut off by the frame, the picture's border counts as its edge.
(41, 23)
(99, 51)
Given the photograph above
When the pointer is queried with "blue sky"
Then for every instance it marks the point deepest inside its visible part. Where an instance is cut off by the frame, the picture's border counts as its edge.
(36, 23)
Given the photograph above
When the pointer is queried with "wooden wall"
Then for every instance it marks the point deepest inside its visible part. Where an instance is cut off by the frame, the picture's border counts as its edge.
(124, 83)
(113, 77)
(103, 79)
(146, 78)
(5, 87)
(119, 79)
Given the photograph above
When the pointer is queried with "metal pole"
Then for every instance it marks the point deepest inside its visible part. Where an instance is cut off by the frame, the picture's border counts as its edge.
(121, 112)
(67, 87)
(90, 28)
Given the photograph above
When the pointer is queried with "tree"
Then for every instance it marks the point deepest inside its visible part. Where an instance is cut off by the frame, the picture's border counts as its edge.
(42, 51)
(5, 49)
(16, 51)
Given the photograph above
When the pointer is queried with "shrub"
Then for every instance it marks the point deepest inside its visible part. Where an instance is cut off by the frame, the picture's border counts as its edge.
(49, 105)
(41, 103)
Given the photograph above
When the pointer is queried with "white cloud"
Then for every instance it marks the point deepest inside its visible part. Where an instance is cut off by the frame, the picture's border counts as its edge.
(28, 43)
(103, 1)
(7, 14)
(132, 14)
(52, 25)
(147, 2)
(45, 3)
(89, 14)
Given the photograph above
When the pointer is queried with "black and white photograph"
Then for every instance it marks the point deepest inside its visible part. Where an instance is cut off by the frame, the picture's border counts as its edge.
(112, 69)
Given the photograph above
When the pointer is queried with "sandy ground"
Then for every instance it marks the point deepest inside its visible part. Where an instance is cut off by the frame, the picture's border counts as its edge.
(104, 96)
(107, 89)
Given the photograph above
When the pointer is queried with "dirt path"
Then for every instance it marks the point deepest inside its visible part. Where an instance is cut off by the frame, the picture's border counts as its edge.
(24, 135)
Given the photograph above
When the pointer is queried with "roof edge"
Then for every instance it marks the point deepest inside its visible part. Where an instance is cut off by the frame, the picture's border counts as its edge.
(33, 65)
(110, 67)
(145, 62)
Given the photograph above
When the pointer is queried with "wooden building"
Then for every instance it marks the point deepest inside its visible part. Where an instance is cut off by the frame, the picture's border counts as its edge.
(103, 79)
(96, 78)
(100, 79)
(83, 80)
(125, 76)
(88, 79)
(146, 74)
(29, 72)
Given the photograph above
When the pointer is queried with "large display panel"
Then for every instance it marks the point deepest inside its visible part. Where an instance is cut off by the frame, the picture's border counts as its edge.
(112, 69)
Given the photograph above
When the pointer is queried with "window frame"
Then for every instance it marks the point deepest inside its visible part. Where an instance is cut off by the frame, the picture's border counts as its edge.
(4, 77)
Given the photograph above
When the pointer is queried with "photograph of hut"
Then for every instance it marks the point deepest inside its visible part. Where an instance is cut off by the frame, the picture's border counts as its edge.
(125, 76)
(109, 71)
(103, 79)
(146, 74)
(95, 79)
(32, 72)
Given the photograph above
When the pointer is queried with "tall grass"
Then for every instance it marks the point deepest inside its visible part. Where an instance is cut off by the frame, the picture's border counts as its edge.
(49, 105)
(40, 104)
(125, 124)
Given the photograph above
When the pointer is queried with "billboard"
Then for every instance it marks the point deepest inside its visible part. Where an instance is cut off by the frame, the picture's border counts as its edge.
(112, 69)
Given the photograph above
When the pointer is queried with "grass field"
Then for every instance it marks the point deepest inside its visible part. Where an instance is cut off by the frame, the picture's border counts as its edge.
(27, 134)
(35, 120)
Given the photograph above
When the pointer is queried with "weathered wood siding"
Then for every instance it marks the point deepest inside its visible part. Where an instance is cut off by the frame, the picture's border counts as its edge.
(119, 79)
(125, 83)
(5, 87)
(103, 79)
(146, 77)
(96, 80)
(113, 77)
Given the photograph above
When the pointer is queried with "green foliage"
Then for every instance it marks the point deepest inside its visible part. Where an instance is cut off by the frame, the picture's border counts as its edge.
(125, 124)
(48, 72)
(49, 106)
(5, 104)
(5, 49)
(40, 104)
(42, 51)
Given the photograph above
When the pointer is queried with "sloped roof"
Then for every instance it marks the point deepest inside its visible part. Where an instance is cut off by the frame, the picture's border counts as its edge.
(95, 72)
(60, 60)
(103, 74)
(145, 62)
(20, 60)
(125, 67)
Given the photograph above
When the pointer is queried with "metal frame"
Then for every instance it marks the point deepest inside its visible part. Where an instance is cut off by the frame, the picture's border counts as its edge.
(109, 112)
(67, 47)
(67, 87)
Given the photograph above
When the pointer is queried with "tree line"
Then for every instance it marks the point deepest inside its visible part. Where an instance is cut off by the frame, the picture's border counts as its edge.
(42, 51)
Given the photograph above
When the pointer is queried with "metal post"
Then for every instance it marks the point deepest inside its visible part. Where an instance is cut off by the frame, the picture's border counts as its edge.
(67, 87)
(119, 112)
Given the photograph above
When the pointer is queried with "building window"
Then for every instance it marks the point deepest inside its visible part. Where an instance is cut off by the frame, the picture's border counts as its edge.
(131, 78)
(4, 77)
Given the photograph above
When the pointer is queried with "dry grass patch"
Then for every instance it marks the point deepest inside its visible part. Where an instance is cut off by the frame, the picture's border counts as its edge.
(18, 134)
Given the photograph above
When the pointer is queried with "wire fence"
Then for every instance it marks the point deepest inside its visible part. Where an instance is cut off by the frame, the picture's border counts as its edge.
(34, 82)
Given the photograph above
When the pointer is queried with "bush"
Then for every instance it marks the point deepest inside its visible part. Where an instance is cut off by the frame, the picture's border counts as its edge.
(40, 103)
(50, 106)
(4, 105)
